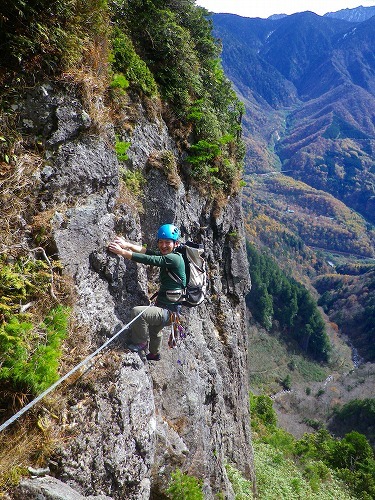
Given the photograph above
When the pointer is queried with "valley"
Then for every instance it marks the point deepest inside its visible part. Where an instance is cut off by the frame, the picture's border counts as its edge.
(308, 86)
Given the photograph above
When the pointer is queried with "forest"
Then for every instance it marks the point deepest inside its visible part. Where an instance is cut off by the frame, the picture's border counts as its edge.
(276, 297)
(318, 465)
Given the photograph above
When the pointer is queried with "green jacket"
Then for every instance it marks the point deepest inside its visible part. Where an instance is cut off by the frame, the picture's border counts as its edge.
(172, 262)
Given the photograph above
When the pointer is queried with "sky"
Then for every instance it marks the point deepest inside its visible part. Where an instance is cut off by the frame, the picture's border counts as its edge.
(265, 8)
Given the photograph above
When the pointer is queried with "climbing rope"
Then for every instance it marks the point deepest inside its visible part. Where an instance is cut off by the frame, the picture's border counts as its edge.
(73, 370)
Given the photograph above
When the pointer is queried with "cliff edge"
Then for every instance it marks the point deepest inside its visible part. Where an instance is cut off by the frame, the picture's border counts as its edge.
(129, 424)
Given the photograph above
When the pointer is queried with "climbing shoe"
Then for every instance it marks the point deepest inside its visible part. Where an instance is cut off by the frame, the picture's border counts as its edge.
(153, 357)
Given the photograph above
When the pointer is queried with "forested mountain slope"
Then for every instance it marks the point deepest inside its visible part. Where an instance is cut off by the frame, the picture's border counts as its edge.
(311, 82)
(308, 85)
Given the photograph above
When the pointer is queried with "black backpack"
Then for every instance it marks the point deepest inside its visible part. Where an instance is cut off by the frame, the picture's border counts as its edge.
(196, 274)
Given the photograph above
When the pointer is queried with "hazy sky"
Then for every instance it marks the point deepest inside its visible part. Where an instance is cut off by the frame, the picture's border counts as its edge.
(265, 8)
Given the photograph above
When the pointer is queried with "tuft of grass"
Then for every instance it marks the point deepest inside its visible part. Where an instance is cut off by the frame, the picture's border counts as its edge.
(134, 181)
(166, 162)
(119, 82)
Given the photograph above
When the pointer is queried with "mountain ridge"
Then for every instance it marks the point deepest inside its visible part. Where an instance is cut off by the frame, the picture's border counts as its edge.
(311, 82)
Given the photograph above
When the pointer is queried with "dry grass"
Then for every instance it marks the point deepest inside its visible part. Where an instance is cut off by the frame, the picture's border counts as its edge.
(127, 197)
(18, 192)
(153, 107)
(91, 78)
(32, 439)
(37, 435)
(28, 444)
(166, 162)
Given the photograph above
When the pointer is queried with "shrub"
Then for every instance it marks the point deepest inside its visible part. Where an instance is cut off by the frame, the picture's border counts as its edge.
(358, 415)
(287, 383)
(281, 440)
(262, 410)
(317, 470)
(205, 120)
(30, 356)
(184, 487)
(119, 82)
(125, 60)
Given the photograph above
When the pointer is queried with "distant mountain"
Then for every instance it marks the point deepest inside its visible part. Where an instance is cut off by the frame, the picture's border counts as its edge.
(308, 84)
(358, 14)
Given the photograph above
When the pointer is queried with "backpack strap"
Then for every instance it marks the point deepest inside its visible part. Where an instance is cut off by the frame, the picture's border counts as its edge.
(175, 277)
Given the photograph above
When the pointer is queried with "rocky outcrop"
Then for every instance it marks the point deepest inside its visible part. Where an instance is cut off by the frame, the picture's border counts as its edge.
(131, 424)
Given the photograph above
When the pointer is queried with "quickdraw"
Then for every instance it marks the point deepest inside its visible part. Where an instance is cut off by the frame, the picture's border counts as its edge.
(177, 333)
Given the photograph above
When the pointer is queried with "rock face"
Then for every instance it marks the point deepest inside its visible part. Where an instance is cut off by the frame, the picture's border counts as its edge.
(130, 423)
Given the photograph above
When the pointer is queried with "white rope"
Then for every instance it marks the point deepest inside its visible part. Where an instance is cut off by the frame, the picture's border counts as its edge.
(73, 370)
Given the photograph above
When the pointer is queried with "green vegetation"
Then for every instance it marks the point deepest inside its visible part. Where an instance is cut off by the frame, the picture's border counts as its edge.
(126, 61)
(151, 49)
(274, 296)
(30, 349)
(315, 466)
(272, 361)
(358, 415)
(355, 268)
(261, 407)
(134, 181)
(19, 281)
(121, 149)
(119, 82)
(30, 356)
(43, 37)
(242, 488)
(167, 48)
(341, 129)
(349, 302)
(184, 487)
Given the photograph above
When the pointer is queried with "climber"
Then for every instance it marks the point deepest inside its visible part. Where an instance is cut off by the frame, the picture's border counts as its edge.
(147, 329)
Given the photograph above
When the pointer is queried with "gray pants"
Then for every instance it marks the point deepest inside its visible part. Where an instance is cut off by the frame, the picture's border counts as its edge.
(148, 327)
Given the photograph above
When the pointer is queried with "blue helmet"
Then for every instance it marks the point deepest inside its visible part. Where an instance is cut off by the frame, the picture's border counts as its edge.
(168, 232)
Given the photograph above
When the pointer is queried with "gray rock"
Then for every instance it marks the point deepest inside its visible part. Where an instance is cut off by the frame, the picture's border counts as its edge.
(50, 488)
(132, 424)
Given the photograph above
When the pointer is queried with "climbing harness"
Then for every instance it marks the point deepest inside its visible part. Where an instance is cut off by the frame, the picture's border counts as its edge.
(73, 370)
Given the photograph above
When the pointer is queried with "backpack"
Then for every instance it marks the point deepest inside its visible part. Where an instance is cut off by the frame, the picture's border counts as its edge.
(196, 274)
